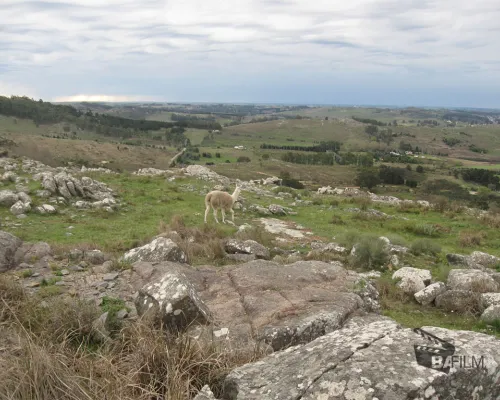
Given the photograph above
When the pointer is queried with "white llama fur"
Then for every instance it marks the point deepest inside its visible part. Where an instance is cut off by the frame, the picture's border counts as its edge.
(223, 201)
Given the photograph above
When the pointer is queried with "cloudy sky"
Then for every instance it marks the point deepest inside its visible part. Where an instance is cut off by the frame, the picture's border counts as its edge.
(389, 52)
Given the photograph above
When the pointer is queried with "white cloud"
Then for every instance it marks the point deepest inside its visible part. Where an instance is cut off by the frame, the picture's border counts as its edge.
(125, 42)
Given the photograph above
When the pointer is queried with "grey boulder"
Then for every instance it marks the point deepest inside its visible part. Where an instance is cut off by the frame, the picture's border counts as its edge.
(459, 300)
(173, 301)
(471, 279)
(8, 247)
(160, 249)
(234, 246)
(426, 296)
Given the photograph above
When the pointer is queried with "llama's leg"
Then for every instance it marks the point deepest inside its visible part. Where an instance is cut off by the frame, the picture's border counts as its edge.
(232, 215)
(206, 213)
(223, 215)
(215, 215)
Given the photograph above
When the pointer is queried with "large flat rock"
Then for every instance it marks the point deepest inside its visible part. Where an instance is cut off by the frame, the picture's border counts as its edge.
(372, 358)
(263, 301)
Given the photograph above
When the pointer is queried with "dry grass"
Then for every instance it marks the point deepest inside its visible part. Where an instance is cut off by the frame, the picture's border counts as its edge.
(258, 234)
(199, 245)
(389, 293)
(471, 238)
(362, 202)
(50, 353)
(490, 219)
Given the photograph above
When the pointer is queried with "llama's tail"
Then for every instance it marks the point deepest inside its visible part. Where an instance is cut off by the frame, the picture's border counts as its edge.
(208, 198)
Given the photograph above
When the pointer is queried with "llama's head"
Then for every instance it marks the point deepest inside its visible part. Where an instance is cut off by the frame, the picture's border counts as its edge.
(237, 190)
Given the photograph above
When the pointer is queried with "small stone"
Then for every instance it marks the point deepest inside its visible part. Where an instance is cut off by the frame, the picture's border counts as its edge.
(64, 272)
(123, 313)
(111, 277)
(33, 284)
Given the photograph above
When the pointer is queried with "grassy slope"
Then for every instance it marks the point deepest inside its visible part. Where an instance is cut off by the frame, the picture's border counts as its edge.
(149, 201)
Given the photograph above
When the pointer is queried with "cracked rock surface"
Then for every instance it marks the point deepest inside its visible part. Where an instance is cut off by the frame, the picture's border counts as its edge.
(277, 305)
(371, 357)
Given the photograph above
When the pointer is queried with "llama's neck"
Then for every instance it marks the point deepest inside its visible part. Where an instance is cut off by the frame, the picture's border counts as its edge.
(236, 194)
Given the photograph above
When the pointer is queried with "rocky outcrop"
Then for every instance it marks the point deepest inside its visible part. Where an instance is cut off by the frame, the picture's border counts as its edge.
(152, 172)
(412, 280)
(269, 303)
(46, 209)
(328, 248)
(473, 280)
(8, 198)
(370, 358)
(67, 186)
(8, 247)
(234, 246)
(476, 260)
(20, 208)
(204, 173)
(31, 252)
(459, 301)
(160, 249)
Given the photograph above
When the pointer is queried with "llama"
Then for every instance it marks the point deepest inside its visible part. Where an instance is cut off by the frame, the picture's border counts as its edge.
(223, 201)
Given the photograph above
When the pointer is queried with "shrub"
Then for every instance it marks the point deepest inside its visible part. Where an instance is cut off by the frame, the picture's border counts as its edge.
(422, 229)
(470, 238)
(258, 234)
(368, 178)
(349, 238)
(425, 246)
(441, 204)
(370, 253)
(491, 220)
(337, 220)
(242, 159)
(362, 202)
(420, 169)
(389, 293)
(397, 240)
(265, 156)
(334, 203)
(284, 189)
(287, 180)
(317, 201)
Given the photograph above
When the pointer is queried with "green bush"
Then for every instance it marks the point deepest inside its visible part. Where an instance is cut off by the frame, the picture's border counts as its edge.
(425, 246)
(422, 229)
(371, 253)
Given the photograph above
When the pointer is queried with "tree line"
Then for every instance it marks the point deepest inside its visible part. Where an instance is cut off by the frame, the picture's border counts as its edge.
(482, 176)
(41, 112)
(365, 160)
(322, 147)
